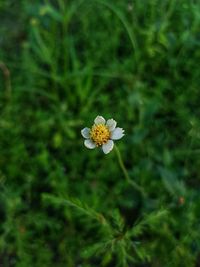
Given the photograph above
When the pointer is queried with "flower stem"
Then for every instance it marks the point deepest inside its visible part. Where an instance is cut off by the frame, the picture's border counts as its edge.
(6, 73)
(125, 172)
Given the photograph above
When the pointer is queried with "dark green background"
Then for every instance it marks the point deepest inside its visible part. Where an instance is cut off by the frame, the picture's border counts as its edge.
(62, 63)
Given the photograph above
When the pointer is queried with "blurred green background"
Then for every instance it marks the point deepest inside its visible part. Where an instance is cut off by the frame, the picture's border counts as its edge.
(64, 62)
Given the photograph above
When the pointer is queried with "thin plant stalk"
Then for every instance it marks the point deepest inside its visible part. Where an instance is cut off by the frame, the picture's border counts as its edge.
(125, 172)
(6, 74)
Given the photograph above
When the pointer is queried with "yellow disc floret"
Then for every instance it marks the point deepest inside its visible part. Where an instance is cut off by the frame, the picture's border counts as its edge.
(100, 134)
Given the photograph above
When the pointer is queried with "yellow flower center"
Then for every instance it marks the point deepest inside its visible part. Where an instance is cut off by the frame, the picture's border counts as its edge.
(100, 134)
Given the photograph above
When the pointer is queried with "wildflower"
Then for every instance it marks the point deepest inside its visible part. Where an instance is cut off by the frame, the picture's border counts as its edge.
(102, 134)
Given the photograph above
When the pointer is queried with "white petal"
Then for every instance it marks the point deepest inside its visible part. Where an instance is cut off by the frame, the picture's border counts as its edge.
(117, 134)
(108, 146)
(111, 124)
(86, 133)
(89, 144)
(99, 120)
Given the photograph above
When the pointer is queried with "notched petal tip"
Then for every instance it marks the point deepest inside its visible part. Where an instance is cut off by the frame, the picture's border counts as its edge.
(86, 132)
(99, 120)
(108, 147)
(117, 134)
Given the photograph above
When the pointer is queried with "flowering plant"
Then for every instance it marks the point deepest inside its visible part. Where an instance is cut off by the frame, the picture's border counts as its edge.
(102, 134)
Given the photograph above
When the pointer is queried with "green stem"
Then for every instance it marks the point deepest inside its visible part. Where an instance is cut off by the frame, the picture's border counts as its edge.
(125, 172)
(6, 73)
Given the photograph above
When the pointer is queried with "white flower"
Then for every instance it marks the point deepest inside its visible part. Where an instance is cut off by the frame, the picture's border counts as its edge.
(102, 134)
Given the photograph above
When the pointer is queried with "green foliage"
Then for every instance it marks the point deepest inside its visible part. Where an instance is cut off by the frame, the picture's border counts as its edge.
(62, 63)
